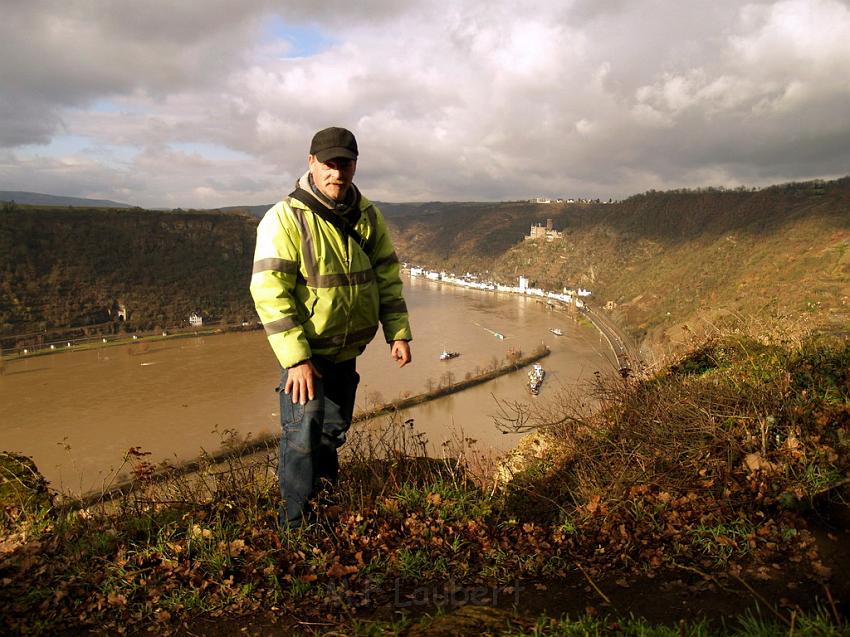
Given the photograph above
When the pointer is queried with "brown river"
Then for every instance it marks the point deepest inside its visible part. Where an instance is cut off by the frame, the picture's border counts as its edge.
(77, 413)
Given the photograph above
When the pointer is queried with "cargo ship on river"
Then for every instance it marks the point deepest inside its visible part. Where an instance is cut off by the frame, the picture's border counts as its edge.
(535, 378)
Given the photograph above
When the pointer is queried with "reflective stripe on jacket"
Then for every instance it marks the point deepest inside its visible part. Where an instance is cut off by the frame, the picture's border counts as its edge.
(317, 292)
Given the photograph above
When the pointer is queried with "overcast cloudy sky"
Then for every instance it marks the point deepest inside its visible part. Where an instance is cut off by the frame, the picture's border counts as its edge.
(167, 103)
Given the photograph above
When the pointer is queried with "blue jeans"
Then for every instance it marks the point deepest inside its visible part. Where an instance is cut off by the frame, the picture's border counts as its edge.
(311, 435)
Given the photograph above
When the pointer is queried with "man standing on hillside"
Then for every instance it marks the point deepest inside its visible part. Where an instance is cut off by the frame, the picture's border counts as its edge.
(325, 273)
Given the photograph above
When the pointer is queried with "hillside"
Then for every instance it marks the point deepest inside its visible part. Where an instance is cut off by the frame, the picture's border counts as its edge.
(40, 199)
(64, 268)
(255, 211)
(666, 260)
(780, 254)
(462, 235)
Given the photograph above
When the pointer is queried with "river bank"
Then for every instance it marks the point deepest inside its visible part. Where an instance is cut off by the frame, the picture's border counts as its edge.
(625, 351)
(100, 341)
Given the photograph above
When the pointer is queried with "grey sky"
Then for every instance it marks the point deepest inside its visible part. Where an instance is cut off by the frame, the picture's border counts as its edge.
(213, 102)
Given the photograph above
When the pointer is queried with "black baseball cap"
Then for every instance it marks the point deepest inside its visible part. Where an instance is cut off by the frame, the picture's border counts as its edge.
(333, 142)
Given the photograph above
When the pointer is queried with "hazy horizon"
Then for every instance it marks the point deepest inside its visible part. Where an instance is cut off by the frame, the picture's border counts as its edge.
(397, 203)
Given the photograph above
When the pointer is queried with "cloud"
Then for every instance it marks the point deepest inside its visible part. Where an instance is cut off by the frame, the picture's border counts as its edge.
(26, 121)
(466, 100)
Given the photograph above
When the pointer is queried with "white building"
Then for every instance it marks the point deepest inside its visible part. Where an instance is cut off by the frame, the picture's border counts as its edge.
(471, 280)
(196, 320)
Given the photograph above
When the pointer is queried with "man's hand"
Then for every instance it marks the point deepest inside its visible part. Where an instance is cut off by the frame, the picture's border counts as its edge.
(400, 352)
(299, 381)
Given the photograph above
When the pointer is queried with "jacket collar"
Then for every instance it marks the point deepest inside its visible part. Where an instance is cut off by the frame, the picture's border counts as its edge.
(348, 208)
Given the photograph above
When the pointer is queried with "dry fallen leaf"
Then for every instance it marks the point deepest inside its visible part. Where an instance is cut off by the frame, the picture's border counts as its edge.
(339, 570)
(821, 570)
(755, 462)
(237, 547)
(116, 599)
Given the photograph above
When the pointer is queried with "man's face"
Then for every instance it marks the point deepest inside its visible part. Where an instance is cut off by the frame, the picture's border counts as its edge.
(332, 177)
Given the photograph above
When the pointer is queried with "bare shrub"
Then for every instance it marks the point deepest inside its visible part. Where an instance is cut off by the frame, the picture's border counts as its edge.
(727, 419)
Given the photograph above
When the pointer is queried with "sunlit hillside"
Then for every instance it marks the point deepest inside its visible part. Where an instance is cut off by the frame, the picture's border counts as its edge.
(664, 259)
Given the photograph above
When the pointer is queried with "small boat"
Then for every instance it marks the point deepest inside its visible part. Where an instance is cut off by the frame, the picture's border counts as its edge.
(498, 335)
(556, 331)
(535, 378)
(447, 355)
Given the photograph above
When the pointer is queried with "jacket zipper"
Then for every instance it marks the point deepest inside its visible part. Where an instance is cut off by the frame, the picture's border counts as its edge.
(347, 265)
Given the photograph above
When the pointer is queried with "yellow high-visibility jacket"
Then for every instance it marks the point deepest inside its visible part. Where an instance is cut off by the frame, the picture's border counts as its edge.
(316, 290)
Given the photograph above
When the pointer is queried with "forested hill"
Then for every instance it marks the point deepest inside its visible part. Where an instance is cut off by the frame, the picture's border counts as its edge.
(70, 267)
(778, 254)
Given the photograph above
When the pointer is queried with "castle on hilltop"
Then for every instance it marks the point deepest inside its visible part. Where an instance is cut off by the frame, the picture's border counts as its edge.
(547, 232)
